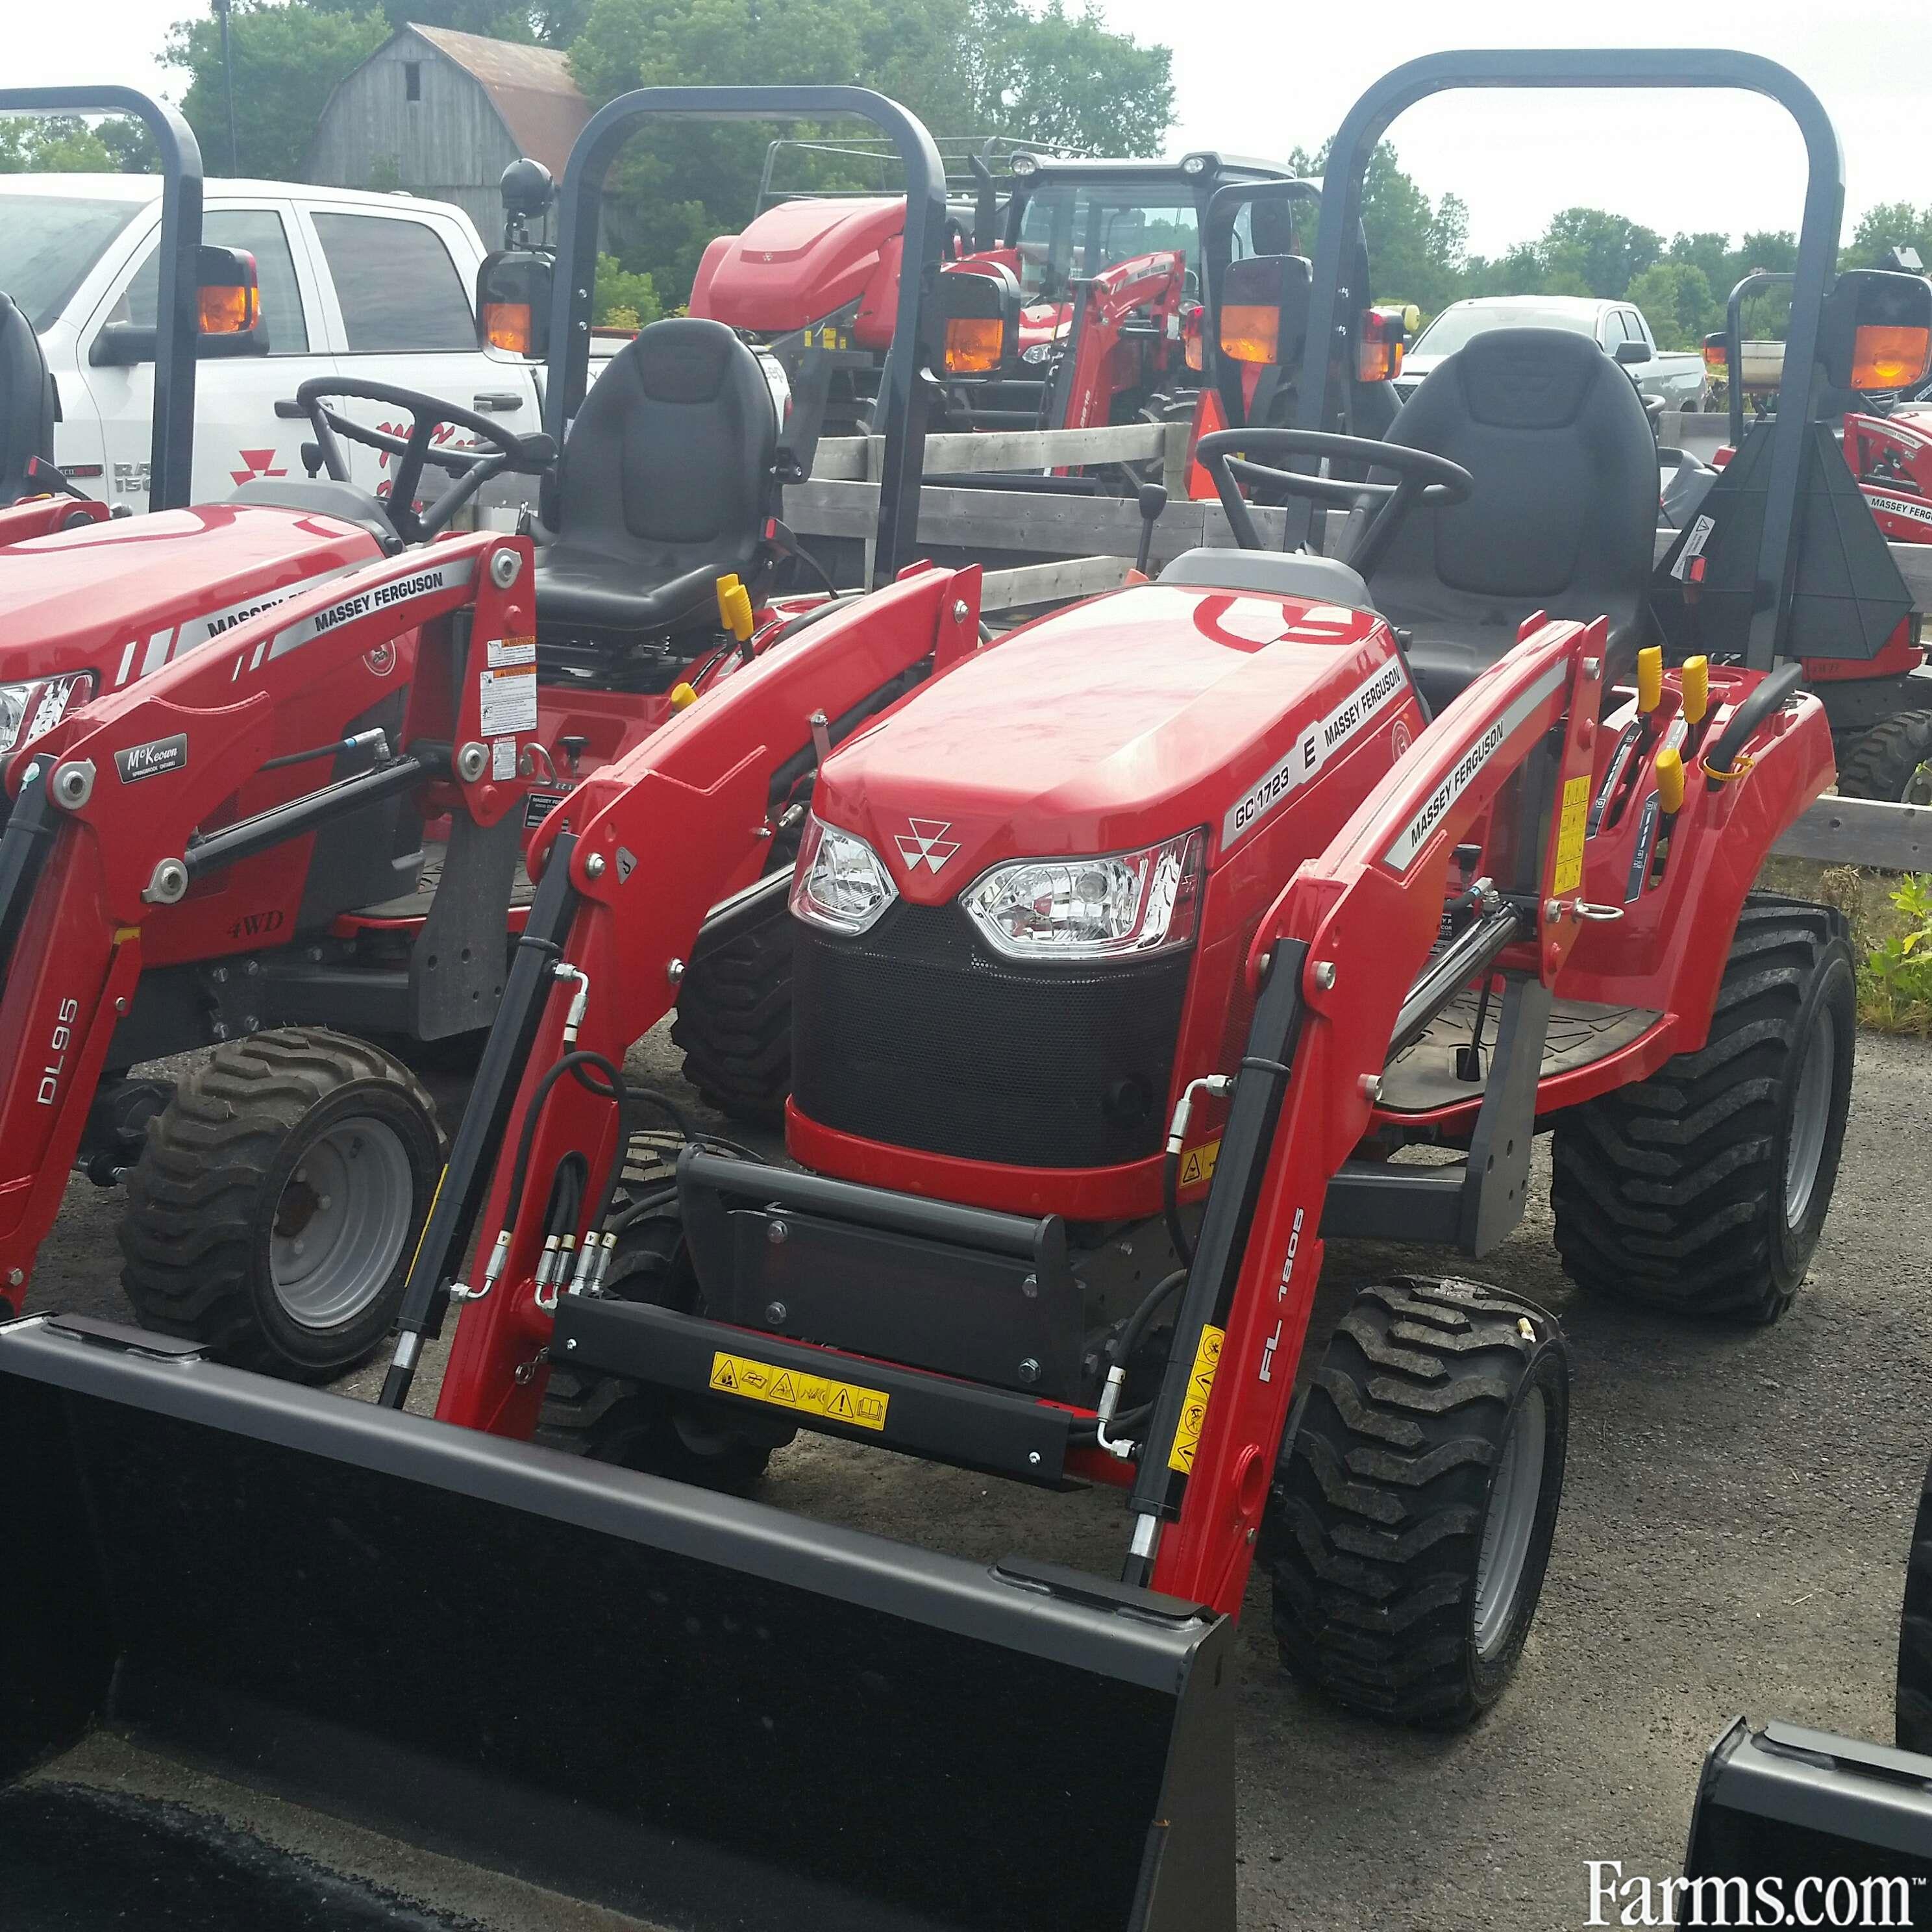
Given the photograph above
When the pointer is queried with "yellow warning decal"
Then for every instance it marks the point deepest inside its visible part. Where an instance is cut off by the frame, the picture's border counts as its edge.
(810, 1395)
(1569, 836)
(1194, 1410)
(1197, 1163)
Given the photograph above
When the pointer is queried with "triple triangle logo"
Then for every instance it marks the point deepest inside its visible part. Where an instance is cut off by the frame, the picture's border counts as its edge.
(925, 843)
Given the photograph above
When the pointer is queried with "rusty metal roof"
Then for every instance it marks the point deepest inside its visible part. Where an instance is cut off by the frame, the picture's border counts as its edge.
(530, 88)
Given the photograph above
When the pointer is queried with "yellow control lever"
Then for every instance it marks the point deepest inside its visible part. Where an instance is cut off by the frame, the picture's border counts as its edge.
(1670, 779)
(1649, 678)
(1695, 680)
(734, 607)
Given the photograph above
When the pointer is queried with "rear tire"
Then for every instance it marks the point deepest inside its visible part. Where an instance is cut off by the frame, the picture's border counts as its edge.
(733, 1022)
(1703, 1190)
(1914, 1708)
(1412, 1515)
(610, 1419)
(273, 1209)
(1892, 761)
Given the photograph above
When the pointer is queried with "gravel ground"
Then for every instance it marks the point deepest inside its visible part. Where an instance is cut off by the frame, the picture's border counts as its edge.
(1732, 1539)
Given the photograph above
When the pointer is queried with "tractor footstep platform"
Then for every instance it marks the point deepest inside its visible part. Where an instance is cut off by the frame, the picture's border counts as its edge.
(416, 904)
(1423, 1076)
(76, 1859)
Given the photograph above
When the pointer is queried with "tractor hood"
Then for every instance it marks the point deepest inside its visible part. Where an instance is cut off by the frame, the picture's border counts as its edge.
(121, 599)
(1113, 725)
(801, 261)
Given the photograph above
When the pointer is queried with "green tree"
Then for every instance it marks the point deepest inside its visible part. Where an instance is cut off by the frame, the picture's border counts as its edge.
(1588, 251)
(1063, 78)
(52, 144)
(553, 23)
(1417, 249)
(1676, 299)
(621, 299)
(286, 59)
(1891, 224)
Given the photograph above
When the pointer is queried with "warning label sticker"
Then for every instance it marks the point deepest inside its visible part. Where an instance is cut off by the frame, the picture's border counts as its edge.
(1700, 534)
(844, 1402)
(1197, 1163)
(1194, 1410)
(501, 652)
(509, 700)
(1570, 830)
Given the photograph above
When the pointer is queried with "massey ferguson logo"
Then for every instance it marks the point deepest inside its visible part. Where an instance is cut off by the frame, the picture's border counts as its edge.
(149, 760)
(925, 843)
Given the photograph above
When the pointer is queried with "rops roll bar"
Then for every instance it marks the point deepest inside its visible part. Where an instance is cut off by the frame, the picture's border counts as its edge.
(177, 311)
(906, 385)
(1369, 120)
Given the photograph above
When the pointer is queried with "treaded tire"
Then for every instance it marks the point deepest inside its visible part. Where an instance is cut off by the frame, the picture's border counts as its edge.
(1892, 761)
(1673, 1192)
(733, 1022)
(206, 1197)
(610, 1419)
(1914, 1709)
(1378, 1518)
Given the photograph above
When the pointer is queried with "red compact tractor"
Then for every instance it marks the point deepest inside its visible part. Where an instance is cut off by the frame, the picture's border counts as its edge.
(1138, 953)
(1077, 304)
(338, 902)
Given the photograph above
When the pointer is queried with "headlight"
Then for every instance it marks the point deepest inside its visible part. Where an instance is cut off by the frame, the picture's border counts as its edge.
(1040, 352)
(1126, 903)
(839, 884)
(31, 710)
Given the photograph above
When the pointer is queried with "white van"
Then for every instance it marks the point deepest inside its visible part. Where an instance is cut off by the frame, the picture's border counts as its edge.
(367, 287)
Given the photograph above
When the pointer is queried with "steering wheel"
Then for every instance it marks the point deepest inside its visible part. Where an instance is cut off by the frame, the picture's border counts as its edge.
(470, 469)
(1422, 477)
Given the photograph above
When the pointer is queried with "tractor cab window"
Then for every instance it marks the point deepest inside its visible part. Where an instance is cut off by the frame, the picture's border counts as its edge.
(1273, 228)
(1067, 231)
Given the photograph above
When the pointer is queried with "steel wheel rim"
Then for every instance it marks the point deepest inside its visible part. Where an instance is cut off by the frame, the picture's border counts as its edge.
(340, 1223)
(1810, 1115)
(1509, 1525)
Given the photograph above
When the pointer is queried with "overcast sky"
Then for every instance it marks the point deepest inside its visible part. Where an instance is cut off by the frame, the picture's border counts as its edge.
(1256, 76)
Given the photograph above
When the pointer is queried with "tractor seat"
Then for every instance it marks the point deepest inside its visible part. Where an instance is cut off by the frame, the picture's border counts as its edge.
(26, 404)
(664, 486)
(1563, 518)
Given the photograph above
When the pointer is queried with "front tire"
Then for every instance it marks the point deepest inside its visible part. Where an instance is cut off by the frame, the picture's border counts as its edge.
(1892, 761)
(274, 1207)
(1703, 1190)
(610, 1419)
(1412, 1513)
(734, 1022)
(1914, 1708)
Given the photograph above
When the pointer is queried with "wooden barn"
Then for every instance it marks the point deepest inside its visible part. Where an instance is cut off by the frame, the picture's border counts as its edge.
(439, 113)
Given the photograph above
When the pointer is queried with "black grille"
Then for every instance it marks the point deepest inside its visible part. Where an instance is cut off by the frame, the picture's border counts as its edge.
(920, 1036)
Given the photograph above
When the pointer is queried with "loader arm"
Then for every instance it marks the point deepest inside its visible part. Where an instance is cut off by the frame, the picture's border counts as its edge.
(1335, 960)
(108, 826)
(650, 845)
(1102, 306)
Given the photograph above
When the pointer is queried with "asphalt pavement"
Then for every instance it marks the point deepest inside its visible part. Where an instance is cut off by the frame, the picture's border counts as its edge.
(1733, 1539)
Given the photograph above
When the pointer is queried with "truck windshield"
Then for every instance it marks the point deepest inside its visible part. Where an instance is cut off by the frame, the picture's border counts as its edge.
(1455, 325)
(48, 242)
(1067, 230)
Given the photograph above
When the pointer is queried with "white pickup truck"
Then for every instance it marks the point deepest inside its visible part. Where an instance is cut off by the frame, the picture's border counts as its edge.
(368, 287)
(1674, 377)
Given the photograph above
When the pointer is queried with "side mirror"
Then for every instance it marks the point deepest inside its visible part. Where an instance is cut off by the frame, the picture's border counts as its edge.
(1382, 338)
(228, 310)
(513, 292)
(981, 311)
(1265, 309)
(1628, 353)
(1877, 334)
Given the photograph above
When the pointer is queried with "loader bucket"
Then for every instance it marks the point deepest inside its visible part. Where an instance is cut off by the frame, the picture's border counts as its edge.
(697, 1710)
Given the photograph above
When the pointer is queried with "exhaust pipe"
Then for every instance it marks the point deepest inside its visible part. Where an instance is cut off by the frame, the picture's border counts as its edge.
(683, 1705)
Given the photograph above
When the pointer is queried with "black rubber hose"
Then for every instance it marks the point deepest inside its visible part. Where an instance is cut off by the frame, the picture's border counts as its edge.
(1170, 1209)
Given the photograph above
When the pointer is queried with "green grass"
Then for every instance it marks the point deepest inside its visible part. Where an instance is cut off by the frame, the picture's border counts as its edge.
(1891, 918)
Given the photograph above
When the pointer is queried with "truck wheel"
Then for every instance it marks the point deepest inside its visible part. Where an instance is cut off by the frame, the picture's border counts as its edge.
(734, 1022)
(1703, 1189)
(612, 1420)
(1915, 1635)
(273, 1212)
(1412, 1512)
(1892, 761)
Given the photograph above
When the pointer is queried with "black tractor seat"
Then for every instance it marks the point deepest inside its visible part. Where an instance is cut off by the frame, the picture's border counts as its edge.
(1563, 518)
(26, 405)
(665, 483)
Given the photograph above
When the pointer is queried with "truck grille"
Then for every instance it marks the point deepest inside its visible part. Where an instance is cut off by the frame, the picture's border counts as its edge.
(918, 1035)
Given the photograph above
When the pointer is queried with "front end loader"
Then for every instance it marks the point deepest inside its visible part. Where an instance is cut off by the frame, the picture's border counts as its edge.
(1138, 953)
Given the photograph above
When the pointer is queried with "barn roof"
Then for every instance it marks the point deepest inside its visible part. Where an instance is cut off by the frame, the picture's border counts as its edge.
(530, 88)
